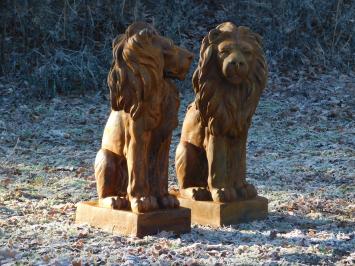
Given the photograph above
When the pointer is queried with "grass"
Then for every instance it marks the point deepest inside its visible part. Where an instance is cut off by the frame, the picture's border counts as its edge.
(310, 208)
(61, 46)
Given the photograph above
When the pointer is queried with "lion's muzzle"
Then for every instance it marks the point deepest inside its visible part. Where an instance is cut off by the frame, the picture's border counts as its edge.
(185, 59)
(235, 68)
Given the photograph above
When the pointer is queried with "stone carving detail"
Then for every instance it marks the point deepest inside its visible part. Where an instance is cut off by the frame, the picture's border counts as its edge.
(230, 77)
(131, 168)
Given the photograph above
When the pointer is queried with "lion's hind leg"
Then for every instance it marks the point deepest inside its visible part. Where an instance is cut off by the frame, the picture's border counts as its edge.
(192, 171)
(111, 179)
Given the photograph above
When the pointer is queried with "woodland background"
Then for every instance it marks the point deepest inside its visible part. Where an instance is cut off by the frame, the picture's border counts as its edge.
(63, 45)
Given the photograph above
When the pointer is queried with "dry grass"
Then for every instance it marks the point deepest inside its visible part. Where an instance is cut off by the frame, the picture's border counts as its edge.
(59, 46)
(301, 157)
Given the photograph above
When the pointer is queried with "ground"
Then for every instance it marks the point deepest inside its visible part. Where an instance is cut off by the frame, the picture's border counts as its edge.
(301, 156)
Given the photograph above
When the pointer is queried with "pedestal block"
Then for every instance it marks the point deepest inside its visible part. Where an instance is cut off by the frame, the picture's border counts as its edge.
(128, 223)
(219, 214)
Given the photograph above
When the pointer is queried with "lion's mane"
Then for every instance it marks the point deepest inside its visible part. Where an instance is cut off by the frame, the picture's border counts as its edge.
(136, 77)
(224, 108)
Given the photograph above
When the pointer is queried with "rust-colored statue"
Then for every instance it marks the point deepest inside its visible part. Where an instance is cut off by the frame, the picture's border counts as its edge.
(228, 82)
(131, 167)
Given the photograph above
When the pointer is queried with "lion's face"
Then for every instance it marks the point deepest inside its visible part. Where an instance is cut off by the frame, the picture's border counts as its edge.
(142, 61)
(231, 74)
(147, 43)
(177, 60)
(235, 58)
(235, 51)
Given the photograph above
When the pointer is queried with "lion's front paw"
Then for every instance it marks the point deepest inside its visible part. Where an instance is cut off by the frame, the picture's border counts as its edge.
(251, 191)
(223, 194)
(168, 201)
(117, 203)
(248, 191)
(196, 193)
(143, 204)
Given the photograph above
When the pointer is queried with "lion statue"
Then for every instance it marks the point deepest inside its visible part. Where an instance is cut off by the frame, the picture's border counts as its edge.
(131, 168)
(230, 77)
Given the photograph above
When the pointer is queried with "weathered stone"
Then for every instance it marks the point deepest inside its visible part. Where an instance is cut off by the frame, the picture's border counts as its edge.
(218, 214)
(129, 223)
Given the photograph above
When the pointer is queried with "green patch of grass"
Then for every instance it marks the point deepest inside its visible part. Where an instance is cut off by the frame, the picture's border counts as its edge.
(39, 181)
(79, 183)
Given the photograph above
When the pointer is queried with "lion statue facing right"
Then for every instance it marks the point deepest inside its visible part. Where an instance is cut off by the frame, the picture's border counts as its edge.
(230, 77)
(131, 168)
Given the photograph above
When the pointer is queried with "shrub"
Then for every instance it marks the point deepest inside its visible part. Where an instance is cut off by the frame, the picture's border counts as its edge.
(62, 45)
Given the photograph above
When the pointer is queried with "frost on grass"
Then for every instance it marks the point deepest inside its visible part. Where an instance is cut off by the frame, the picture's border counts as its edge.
(300, 156)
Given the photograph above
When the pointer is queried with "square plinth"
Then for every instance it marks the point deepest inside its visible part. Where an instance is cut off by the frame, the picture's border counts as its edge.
(133, 224)
(217, 214)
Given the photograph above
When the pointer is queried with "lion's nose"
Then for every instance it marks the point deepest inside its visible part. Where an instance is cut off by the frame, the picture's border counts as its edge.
(237, 63)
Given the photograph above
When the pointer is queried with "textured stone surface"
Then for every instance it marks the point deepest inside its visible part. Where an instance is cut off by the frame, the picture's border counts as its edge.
(228, 82)
(133, 224)
(137, 136)
(218, 214)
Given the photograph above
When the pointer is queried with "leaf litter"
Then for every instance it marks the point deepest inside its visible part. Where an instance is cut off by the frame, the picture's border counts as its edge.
(301, 156)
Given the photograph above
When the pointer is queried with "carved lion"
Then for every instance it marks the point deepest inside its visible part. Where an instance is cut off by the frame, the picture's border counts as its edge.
(131, 168)
(230, 77)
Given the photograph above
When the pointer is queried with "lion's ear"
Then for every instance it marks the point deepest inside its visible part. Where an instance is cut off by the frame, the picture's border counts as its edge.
(227, 26)
(213, 35)
(146, 34)
(244, 29)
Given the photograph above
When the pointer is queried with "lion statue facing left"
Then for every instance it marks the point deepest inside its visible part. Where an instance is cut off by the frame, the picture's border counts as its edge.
(131, 168)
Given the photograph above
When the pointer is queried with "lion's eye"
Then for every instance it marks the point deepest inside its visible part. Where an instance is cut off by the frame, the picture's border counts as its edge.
(247, 52)
(224, 51)
(168, 46)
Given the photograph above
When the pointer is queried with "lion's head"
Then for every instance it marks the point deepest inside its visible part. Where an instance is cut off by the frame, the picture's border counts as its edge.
(230, 77)
(142, 60)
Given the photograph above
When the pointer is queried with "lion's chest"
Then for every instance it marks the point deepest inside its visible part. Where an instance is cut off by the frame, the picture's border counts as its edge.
(228, 112)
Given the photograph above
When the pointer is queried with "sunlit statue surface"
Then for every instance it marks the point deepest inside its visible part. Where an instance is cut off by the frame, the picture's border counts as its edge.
(131, 168)
(230, 77)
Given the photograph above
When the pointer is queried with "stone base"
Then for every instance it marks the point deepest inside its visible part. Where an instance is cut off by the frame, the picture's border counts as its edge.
(132, 224)
(218, 214)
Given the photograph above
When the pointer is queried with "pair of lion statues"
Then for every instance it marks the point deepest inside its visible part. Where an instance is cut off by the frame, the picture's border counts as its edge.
(131, 168)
